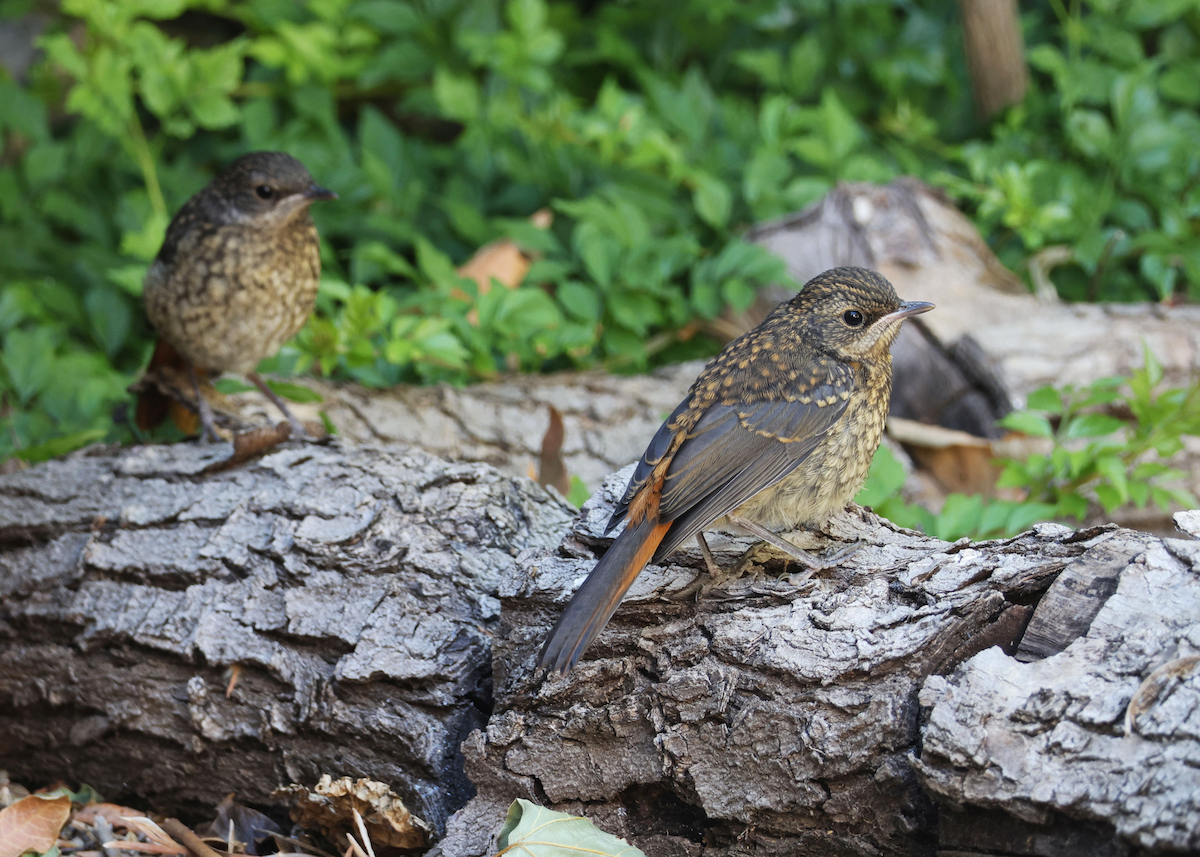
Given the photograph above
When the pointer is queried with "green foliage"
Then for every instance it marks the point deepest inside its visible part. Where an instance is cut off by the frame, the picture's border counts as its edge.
(1102, 155)
(535, 831)
(1101, 458)
(1106, 445)
(655, 133)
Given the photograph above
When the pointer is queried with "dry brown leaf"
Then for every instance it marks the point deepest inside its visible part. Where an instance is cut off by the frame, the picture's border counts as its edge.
(32, 824)
(501, 260)
(248, 444)
(552, 468)
(330, 806)
(113, 812)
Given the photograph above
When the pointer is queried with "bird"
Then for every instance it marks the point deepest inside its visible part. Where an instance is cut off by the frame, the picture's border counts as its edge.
(236, 275)
(777, 432)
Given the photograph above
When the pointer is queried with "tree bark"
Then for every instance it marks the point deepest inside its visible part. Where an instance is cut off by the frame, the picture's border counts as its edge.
(842, 716)
(175, 634)
(995, 52)
(171, 631)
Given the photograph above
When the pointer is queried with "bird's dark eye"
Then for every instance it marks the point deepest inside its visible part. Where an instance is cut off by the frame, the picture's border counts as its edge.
(853, 317)
(264, 191)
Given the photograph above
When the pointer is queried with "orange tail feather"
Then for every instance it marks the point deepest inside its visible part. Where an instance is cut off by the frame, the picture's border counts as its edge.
(595, 602)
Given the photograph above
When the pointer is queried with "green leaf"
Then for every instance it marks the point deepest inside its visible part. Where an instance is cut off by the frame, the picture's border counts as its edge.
(1072, 505)
(884, 479)
(534, 831)
(960, 516)
(60, 446)
(713, 200)
(1027, 423)
(599, 250)
(1045, 399)
(1112, 468)
(1109, 497)
(28, 357)
(111, 317)
(1092, 425)
(213, 110)
(580, 301)
(231, 386)
(295, 392)
(578, 493)
(387, 16)
(457, 95)
(1024, 515)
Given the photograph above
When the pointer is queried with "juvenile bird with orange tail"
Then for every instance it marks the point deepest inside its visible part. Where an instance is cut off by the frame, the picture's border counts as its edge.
(237, 275)
(777, 432)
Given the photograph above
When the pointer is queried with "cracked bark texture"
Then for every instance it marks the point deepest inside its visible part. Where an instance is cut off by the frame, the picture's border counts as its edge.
(355, 591)
(751, 715)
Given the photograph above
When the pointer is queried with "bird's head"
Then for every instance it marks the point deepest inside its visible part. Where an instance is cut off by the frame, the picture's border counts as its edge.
(852, 313)
(266, 188)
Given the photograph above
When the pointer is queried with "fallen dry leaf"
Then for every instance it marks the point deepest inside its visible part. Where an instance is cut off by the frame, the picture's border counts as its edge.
(32, 824)
(114, 812)
(330, 806)
(500, 260)
(552, 469)
(503, 260)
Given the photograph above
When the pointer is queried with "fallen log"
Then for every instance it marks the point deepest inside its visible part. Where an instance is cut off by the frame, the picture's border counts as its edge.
(173, 628)
(876, 709)
(172, 634)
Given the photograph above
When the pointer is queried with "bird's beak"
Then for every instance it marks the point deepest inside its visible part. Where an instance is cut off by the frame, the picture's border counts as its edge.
(908, 308)
(316, 192)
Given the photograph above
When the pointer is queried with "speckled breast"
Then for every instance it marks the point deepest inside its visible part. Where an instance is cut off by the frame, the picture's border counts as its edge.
(237, 297)
(832, 474)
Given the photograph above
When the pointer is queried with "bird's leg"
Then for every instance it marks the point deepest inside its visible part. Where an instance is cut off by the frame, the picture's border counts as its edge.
(714, 570)
(297, 426)
(207, 424)
(801, 556)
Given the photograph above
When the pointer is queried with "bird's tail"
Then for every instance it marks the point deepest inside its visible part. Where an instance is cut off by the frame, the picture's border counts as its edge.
(596, 601)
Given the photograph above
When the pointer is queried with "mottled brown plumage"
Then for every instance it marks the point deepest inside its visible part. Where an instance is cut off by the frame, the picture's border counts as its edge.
(237, 273)
(778, 431)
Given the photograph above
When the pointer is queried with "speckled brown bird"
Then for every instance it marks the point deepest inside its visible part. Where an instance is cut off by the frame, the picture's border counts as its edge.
(237, 273)
(777, 432)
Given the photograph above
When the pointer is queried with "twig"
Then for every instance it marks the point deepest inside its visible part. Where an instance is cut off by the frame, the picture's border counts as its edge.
(147, 847)
(181, 832)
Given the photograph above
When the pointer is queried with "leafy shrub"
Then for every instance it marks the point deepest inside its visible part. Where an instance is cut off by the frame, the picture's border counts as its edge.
(1107, 446)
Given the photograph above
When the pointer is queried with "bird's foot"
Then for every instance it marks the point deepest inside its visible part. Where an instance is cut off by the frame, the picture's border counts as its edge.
(714, 570)
(207, 424)
(812, 563)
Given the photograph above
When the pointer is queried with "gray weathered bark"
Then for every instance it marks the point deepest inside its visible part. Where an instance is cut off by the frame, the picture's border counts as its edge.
(752, 715)
(355, 591)
(351, 598)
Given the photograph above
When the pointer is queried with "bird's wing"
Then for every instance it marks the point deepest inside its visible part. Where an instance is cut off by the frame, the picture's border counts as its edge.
(736, 451)
(660, 446)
